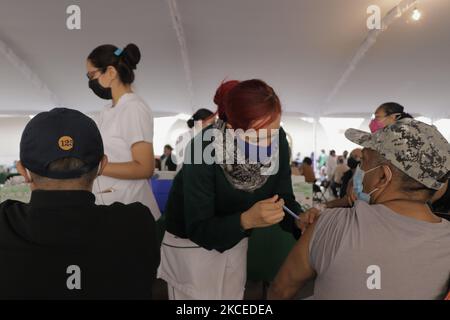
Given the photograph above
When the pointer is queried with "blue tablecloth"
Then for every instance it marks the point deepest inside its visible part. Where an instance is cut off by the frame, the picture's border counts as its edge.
(161, 189)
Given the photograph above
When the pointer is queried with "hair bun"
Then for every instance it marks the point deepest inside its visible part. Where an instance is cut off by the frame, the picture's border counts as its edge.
(132, 55)
(190, 123)
(221, 96)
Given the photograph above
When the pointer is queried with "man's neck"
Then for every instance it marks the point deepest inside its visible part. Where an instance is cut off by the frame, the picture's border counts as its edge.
(413, 209)
(62, 187)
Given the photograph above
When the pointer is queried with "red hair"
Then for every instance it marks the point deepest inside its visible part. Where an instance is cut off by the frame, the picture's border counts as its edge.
(250, 101)
(221, 96)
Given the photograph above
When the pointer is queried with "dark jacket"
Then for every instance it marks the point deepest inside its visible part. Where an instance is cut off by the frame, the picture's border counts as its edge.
(62, 239)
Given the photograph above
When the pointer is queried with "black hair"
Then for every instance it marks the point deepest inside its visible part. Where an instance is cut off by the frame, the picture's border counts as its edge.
(68, 164)
(200, 114)
(125, 62)
(352, 163)
(393, 108)
(168, 146)
(308, 161)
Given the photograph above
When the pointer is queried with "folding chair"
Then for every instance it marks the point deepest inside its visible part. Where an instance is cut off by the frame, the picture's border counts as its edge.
(318, 194)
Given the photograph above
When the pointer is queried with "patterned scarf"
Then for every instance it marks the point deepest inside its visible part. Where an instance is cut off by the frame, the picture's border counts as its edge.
(236, 167)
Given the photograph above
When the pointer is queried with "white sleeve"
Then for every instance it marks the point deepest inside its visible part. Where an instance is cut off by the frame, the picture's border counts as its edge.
(137, 124)
(98, 118)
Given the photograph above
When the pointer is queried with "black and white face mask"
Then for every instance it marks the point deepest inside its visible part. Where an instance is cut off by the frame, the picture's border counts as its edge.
(99, 90)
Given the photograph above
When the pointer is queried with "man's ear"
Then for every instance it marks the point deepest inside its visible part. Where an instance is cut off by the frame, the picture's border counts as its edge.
(23, 172)
(387, 176)
(102, 165)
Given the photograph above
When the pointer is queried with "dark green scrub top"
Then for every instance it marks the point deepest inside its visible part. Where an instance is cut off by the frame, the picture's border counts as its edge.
(204, 207)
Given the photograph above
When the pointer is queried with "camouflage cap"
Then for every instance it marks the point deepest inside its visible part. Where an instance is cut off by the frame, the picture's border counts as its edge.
(416, 148)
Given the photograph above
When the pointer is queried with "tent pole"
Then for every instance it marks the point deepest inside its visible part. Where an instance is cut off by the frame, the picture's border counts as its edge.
(315, 140)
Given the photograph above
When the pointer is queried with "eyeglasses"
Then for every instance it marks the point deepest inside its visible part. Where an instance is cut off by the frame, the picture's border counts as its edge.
(91, 75)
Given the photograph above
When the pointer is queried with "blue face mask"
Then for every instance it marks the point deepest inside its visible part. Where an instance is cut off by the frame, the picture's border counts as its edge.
(254, 152)
(358, 185)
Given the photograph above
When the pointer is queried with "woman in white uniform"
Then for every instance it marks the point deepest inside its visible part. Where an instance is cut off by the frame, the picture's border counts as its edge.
(126, 126)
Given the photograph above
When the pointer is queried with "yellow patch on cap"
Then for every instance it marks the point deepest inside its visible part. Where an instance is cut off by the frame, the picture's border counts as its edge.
(65, 143)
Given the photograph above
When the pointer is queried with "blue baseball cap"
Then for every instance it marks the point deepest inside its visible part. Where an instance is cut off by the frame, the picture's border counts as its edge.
(58, 134)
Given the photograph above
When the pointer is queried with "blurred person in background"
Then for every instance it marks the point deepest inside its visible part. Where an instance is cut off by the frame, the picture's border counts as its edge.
(386, 114)
(352, 162)
(336, 181)
(345, 155)
(322, 161)
(298, 159)
(306, 170)
(167, 163)
(201, 118)
(205, 116)
(331, 165)
(157, 164)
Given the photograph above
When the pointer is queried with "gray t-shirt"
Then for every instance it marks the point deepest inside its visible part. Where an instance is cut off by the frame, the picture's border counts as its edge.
(371, 252)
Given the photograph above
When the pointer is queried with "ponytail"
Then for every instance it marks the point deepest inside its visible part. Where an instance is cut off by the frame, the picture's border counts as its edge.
(405, 115)
(200, 114)
(390, 108)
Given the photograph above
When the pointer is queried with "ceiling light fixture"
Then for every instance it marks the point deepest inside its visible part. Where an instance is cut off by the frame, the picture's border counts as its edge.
(416, 14)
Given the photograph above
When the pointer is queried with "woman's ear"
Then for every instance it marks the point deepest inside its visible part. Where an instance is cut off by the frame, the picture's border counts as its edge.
(112, 73)
(23, 172)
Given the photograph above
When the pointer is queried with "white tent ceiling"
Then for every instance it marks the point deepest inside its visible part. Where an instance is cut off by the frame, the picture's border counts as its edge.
(301, 47)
